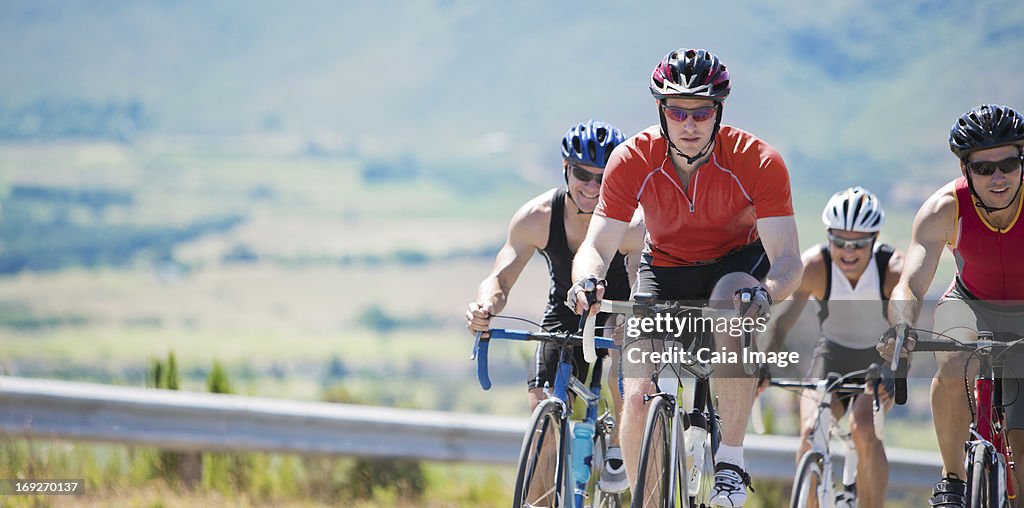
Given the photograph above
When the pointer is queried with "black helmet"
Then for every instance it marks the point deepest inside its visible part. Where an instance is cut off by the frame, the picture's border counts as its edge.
(696, 73)
(986, 126)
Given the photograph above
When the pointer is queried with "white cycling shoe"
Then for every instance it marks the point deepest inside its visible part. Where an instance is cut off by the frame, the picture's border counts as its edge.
(731, 484)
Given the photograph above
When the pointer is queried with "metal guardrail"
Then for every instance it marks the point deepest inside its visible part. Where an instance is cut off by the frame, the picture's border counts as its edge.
(193, 421)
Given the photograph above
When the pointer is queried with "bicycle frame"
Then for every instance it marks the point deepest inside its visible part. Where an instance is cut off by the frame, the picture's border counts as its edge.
(825, 427)
(702, 415)
(559, 394)
(987, 426)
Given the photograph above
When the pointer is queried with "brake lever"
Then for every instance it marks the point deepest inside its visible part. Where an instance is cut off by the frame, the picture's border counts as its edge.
(590, 322)
(476, 346)
(900, 338)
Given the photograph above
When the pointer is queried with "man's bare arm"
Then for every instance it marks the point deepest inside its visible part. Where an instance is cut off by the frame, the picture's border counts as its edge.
(525, 233)
(633, 247)
(604, 236)
(779, 237)
(933, 227)
(811, 283)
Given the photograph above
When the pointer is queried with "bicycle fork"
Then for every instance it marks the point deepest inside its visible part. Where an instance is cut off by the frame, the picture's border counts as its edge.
(820, 437)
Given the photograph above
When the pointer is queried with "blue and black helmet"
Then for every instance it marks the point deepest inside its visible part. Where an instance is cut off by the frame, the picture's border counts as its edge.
(590, 143)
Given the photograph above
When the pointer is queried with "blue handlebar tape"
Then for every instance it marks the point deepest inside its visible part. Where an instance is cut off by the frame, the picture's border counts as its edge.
(481, 365)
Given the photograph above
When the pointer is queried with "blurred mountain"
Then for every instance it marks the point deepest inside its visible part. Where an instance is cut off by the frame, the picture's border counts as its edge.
(861, 91)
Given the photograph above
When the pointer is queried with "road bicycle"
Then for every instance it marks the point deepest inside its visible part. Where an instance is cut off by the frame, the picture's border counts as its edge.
(677, 454)
(989, 459)
(813, 484)
(558, 466)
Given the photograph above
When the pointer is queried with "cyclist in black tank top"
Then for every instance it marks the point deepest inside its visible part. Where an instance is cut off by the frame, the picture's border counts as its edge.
(554, 224)
(559, 258)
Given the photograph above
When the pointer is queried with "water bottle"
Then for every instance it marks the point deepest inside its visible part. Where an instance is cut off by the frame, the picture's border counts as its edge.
(694, 437)
(582, 450)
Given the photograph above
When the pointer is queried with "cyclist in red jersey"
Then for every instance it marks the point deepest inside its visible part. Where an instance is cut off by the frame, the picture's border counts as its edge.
(977, 217)
(719, 215)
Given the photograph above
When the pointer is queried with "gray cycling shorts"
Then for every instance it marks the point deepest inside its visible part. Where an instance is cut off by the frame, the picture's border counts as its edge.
(961, 317)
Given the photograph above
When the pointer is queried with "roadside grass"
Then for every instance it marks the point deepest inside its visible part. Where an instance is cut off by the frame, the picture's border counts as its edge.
(117, 476)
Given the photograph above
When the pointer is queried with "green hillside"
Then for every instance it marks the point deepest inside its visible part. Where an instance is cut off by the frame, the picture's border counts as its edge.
(861, 91)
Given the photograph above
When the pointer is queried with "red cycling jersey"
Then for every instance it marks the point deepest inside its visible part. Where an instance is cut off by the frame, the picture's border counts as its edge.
(987, 261)
(744, 180)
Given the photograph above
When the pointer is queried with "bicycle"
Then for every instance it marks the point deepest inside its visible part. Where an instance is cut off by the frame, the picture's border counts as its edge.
(813, 483)
(672, 471)
(562, 480)
(989, 459)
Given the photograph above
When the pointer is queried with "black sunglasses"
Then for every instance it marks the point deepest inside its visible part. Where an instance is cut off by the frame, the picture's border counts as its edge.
(583, 175)
(842, 243)
(986, 168)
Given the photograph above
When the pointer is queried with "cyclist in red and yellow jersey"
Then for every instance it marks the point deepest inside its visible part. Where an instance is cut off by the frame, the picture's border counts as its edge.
(978, 218)
(718, 209)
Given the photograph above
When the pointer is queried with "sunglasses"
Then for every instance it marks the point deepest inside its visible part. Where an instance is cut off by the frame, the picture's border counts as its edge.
(699, 115)
(583, 175)
(986, 168)
(842, 243)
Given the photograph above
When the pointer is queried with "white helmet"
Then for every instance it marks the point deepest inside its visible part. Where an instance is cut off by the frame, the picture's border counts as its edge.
(854, 209)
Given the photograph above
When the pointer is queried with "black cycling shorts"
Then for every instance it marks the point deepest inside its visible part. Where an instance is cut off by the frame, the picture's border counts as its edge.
(695, 282)
(842, 360)
(544, 364)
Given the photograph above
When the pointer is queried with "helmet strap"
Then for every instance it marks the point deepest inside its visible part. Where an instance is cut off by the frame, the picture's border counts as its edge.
(704, 151)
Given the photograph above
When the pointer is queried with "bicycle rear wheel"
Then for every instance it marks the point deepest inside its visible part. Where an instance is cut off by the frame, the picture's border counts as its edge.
(653, 487)
(542, 478)
(983, 490)
(806, 491)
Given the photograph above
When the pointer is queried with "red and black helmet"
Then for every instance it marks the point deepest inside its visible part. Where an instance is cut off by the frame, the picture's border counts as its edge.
(696, 73)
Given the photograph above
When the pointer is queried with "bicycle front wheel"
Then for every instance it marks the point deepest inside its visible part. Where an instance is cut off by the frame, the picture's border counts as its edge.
(542, 478)
(984, 489)
(653, 483)
(806, 488)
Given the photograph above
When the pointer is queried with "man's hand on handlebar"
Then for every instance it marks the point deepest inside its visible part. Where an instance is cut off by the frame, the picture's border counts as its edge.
(478, 318)
(583, 292)
(754, 302)
(887, 343)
